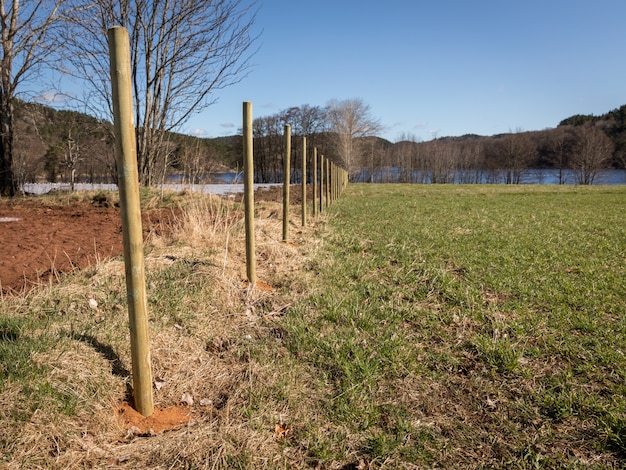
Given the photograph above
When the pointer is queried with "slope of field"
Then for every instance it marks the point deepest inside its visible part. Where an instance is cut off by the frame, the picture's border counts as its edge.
(476, 327)
(407, 327)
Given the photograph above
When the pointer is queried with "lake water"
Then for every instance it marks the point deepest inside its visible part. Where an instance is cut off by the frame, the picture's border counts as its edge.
(530, 176)
(230, 181)
(218, 189)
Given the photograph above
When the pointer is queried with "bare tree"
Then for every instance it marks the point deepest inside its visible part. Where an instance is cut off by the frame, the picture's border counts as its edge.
(267, 133)
(469, 162)
(559, 142)
(24, 27)
(305, 121)
(182, 51)
(71, 157)
(440, 161)
(593, 148)
(511, 154)
(350, 120)
(29, 144)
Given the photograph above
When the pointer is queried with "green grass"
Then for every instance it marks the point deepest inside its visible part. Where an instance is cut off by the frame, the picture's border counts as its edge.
(479, 326)
(432, 327)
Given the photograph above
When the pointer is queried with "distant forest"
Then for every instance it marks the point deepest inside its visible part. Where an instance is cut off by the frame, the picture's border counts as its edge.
(583, 144)
(66, 146)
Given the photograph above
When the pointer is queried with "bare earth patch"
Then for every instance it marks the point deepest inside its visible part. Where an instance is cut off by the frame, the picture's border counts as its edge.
(161, 420)
(216, 399)
(41, 242)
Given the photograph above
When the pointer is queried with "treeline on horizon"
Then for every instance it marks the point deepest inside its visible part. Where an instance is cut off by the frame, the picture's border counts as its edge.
(64, 146)
(584, 144)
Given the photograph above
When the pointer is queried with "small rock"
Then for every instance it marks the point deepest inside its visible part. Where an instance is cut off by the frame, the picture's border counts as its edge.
(187, 399)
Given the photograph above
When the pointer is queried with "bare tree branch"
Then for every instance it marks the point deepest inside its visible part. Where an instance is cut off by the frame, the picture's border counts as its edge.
(350, 120)
(182, 51)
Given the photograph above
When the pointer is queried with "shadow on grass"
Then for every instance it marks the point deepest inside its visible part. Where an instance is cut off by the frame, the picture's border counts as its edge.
(117, 366)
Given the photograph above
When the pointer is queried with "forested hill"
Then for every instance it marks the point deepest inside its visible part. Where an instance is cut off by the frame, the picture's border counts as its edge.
(615, 118)
(612, 123)
(51, 144)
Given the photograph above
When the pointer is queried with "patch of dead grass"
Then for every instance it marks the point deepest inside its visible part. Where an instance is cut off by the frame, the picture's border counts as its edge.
(214, 363)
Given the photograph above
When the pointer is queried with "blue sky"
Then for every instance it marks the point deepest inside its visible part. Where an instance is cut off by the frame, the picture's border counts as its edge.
(438, 68)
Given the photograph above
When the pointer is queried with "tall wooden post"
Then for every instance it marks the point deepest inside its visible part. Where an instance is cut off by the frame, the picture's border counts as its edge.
(314, 173)
(332, 182)
(303, 181)
(248, 188)
(322, 160)
(327, 183)
(132, 236)
(286, 181)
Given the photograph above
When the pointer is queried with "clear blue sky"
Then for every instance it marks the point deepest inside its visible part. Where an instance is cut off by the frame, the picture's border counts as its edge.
(436, 68)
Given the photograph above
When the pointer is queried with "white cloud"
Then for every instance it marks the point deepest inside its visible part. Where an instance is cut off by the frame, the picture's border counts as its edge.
(227, 125)
(51, 97)
(198, 132)
(433, 133)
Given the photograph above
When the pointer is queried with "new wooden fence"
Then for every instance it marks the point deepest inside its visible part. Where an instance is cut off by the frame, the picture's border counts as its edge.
(331, 180)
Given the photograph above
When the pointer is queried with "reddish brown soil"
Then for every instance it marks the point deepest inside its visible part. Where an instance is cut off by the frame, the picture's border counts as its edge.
(161, 420)
(48, 241)
(39, 243)
(275, 194)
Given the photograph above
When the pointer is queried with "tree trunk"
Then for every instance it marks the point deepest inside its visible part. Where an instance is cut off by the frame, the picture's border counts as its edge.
(8, 184)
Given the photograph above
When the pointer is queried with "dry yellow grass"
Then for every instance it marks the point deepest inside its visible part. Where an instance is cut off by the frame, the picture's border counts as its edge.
(208, 332)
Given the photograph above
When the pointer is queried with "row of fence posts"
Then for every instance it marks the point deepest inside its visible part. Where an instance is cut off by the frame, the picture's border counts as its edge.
(332, 180)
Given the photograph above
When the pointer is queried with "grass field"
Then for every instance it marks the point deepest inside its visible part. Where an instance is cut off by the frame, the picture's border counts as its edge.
(409, 327)
(471, 326)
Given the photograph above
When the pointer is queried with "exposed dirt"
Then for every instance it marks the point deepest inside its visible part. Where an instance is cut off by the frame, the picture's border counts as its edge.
(41, 242)
(161, 420)
(275, 194)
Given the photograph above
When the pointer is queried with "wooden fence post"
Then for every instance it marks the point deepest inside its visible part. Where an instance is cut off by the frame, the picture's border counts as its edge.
(119, 55)
(286, 181)
(327, 182)
(330, 182)
(333, 182)
(303, 181)
(314, 173)
(322, 160)
(248, 183)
